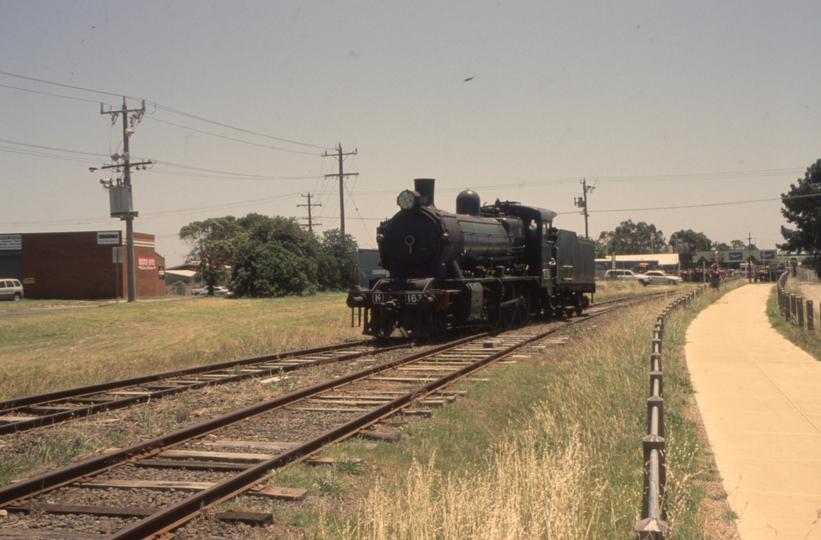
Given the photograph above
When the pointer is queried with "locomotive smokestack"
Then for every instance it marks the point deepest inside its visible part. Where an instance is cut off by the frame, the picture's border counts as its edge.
(424, 187)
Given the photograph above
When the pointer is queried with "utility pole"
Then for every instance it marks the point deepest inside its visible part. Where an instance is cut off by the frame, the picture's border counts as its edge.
(121, 189)
(310, 205)
(339, 156)
(581, 202)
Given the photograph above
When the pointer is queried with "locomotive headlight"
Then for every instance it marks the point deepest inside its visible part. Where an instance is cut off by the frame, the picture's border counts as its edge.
(408, 200)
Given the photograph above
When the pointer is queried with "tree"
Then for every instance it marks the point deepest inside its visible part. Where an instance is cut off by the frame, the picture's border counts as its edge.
(339, 269)
(212, 243)
(276, 258)
(720, 246)
(690, 240)
(266, 269)
(801, 207)
(738, 244)
(633, 238)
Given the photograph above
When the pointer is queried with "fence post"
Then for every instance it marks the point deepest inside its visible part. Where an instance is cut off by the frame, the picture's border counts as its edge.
(792, 308)
(810, 317)
(799, 310)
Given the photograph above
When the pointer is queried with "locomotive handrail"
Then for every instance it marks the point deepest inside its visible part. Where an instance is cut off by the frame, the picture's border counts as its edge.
(653, 525)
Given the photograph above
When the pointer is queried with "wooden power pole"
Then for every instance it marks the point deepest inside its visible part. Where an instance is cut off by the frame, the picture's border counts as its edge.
(339, 156)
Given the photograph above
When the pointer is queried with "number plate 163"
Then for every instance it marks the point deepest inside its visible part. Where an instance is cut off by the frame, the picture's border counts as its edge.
(413, 298)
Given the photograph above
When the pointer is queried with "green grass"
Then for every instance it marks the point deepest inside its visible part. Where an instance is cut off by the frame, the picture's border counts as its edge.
(46, 351)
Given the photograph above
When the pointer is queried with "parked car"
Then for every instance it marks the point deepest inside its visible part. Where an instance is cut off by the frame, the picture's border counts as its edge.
(626, 275)
(659, 276)
(218, 291)
(11, 289)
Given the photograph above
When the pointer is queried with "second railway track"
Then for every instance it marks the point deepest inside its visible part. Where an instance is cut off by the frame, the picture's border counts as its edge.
(30, 412)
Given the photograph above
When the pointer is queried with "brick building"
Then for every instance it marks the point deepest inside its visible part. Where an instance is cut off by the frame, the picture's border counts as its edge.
(80, 265)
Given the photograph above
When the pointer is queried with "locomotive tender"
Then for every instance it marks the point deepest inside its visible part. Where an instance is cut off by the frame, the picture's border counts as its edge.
(482, 268)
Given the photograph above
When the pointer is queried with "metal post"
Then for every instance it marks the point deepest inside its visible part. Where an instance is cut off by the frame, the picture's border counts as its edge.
(799, 306)
(810, 317)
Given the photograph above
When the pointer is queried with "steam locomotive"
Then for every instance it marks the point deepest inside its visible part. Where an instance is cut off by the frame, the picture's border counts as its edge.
(482, 268)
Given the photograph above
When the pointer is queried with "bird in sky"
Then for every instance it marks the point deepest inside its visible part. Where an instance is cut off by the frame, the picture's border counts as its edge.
(468, 79)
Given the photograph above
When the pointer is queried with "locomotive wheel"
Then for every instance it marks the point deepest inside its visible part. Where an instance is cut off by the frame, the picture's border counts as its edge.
(491, 300)
(523, 309)
(581, 302)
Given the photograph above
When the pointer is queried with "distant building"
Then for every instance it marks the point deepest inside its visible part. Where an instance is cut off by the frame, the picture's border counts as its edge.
(183, 272)
(80, 265)
(734, 258)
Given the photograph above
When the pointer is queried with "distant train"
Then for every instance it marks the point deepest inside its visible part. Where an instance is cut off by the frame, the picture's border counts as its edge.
(482, 268)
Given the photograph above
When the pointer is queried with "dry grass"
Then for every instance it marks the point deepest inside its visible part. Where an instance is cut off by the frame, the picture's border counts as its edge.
(47, 351)
(614, 289)
(523, 489)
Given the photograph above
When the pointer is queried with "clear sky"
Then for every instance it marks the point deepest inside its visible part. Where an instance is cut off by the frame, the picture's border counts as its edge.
(661, 105)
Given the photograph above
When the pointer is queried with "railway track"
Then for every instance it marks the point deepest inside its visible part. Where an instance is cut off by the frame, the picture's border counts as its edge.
(30, 412)
(155, 486)
(25, 413)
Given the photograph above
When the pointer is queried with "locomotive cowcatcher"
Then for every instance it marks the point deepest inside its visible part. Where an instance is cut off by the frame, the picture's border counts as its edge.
(482, 268)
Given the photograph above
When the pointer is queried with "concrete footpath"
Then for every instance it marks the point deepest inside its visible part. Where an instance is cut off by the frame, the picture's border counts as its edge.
(760, 398)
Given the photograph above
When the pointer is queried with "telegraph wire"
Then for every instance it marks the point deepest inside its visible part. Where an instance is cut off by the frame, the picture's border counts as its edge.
(243, 175)
(59, 84)
(227, 174)
(42, 155)
(230, 138)
(689, 206)
(163, 107)
(155, 215)
(95, 154)
(201, 119)
(49, 94)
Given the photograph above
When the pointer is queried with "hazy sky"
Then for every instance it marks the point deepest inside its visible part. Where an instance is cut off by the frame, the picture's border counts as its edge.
(659, 104)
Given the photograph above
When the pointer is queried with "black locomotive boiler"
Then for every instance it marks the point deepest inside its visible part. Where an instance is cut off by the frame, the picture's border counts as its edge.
(484, 267)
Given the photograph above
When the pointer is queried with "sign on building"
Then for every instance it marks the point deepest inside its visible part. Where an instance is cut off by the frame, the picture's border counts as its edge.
(767, 254)
(11, 242)
(105, 238)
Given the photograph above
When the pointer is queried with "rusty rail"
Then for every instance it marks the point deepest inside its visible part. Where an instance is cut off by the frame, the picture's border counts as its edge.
(653, 525)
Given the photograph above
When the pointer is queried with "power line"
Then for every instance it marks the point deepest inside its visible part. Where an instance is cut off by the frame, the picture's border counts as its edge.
(201, 119)
(230, 138)
(154, 215)
(699, 205)
(48, 93)
(29, 145)
(58, 84)
(163, 107)
(228, 174)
